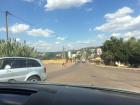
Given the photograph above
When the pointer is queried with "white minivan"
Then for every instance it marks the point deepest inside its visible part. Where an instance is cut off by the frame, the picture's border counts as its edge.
(21, 69)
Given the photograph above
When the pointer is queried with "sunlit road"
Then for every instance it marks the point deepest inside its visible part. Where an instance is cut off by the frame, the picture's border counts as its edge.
(87, 74)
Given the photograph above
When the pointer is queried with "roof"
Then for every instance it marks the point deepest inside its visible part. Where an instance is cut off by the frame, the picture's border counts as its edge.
(17, 57)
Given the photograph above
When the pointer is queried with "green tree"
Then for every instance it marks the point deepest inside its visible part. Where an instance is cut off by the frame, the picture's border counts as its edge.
(134, 52)
(127, 52)
(114, 50)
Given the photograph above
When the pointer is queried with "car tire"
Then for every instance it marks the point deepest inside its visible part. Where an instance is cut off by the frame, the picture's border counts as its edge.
(34, 79)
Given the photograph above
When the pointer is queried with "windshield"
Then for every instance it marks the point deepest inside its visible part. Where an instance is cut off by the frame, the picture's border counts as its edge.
(72, 42)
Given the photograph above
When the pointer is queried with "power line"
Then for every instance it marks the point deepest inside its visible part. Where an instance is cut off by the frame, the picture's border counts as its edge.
(7, 13)
(23, 20)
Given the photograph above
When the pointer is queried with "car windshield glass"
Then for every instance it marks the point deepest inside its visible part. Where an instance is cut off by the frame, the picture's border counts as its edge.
(71, 42)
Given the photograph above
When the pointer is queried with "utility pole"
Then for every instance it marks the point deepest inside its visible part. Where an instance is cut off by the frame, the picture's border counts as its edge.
(7, 30)
(63, 53)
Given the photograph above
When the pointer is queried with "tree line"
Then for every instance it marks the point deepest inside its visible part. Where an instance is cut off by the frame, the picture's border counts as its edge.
(124, 51)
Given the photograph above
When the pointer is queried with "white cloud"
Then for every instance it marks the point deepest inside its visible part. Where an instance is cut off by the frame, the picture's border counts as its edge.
(41, 3)
(120, 21)
(81, 44)
(57, 42)
(18, 28)
(61, 38)
(64, 4)
(85, 41)
(70, 46)
(40, 45)
(127, 35)
(40, 32)
(100, 36)
(120, 13)
(44, 46)
(116, 34)
(135, 34)
(2, 29)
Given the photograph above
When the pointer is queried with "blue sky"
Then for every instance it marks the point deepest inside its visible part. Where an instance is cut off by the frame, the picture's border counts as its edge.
(51, 24)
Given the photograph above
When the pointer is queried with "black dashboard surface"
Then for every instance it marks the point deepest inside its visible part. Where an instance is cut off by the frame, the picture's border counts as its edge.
(51, 94)
(12, 99)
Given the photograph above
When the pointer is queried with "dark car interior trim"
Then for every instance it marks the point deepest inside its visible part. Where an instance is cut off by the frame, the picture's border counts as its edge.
(53, 94)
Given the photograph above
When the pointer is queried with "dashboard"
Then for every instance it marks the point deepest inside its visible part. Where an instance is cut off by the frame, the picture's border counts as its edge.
(12, 99)
(54, 94)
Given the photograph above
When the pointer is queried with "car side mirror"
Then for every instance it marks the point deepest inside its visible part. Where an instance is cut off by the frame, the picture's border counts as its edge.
(7, 67)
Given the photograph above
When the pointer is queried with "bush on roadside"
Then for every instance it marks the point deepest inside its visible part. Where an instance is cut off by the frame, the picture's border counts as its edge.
(13, 48)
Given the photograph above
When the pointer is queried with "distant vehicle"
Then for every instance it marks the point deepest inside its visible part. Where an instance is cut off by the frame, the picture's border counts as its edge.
(21, 69)
(83, 60)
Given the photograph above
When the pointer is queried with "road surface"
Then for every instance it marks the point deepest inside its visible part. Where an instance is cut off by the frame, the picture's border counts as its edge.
(88, 74)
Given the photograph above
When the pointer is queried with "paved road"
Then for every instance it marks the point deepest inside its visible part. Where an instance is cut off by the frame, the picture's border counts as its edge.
(87, 74)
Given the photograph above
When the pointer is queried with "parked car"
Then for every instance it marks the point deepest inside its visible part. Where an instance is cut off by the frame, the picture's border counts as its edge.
(21, 69)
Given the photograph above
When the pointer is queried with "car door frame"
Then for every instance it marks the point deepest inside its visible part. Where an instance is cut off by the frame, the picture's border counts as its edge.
(6, 74)
(19, 73)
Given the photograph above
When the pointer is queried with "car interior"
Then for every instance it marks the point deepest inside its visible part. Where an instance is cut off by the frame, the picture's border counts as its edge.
(53, 94)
